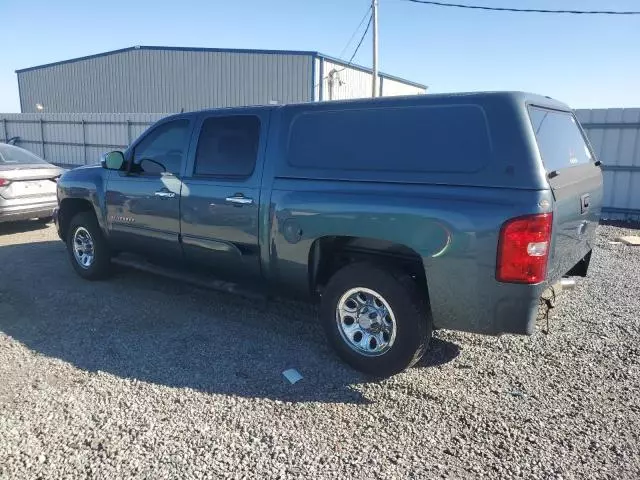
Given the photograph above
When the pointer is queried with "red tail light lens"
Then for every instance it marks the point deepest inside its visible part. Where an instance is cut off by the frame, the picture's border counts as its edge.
(523, 249)
(4, 182)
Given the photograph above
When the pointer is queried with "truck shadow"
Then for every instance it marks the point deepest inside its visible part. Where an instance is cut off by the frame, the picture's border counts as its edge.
(136, 325)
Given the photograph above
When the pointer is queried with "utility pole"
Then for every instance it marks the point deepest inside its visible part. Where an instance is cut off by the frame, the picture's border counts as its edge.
(374, 14)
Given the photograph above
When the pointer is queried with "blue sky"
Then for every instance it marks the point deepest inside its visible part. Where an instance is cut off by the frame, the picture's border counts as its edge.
(584, 61)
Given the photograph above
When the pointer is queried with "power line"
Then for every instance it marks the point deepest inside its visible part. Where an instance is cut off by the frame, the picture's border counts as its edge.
(360, 42)
(524, 10)
(355, 32)
(355, 52)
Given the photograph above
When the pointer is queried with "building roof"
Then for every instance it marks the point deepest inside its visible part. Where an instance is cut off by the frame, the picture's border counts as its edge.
(227, 50)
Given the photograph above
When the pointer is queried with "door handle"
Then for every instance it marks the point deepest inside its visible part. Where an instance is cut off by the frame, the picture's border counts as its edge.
(238, 200)
(164, 194)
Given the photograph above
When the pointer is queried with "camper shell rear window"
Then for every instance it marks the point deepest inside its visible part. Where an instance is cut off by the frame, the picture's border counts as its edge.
(560, 140)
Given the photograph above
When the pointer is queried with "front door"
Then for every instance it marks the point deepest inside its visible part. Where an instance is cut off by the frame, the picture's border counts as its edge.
(143, 203)
(221, 194)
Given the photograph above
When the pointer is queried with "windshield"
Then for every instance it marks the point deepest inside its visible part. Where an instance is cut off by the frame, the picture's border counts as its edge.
(559, 138)
(10, 155)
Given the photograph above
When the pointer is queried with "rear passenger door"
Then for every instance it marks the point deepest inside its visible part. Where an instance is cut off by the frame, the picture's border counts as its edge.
(221, 194)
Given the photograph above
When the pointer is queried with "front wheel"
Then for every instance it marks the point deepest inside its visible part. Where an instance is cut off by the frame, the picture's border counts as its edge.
(376, 319)
(87, 247)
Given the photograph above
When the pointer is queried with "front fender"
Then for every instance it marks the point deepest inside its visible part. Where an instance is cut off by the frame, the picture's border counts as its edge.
(88, 184)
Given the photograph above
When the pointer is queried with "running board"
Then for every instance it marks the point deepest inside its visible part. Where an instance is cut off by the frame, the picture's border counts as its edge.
(191, 278)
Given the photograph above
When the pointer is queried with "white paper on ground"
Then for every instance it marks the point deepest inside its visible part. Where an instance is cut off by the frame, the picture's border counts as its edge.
(632, 240)
(292, 375)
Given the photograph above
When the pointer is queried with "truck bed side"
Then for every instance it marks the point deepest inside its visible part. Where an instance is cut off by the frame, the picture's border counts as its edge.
(453, 232)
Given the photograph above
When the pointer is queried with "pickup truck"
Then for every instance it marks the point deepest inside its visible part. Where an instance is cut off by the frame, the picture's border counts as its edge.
(399, 215)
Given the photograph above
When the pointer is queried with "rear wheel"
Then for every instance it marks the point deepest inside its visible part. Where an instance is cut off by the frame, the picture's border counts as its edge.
(87, 247)
(377, 320)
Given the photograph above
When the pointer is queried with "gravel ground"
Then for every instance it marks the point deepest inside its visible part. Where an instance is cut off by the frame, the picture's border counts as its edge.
(143, 377)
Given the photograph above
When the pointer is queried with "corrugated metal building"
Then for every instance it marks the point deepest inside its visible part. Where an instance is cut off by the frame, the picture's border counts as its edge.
(169, 79)
(614, 134)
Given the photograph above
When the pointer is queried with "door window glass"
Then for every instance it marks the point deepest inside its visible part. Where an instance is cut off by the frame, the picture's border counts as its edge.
(228, 146)
(163, 149)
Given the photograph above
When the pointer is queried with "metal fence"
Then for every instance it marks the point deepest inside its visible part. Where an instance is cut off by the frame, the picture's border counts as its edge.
(614, 134)
(72, 139)
(68, 139)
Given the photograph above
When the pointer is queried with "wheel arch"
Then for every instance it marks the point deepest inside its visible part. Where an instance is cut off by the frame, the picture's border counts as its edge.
(328, 254)
(69, 207)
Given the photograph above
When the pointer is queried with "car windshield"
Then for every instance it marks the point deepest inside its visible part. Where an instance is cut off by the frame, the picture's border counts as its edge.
(10, 155)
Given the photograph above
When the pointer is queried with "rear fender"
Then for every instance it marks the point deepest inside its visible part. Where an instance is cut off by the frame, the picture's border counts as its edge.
(453, 230)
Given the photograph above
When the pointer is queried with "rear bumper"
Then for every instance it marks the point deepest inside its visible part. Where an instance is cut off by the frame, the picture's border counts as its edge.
(516, 315)
(525, 320)
(25, 212)
(486, 307)
(509, 309)
(490, 307)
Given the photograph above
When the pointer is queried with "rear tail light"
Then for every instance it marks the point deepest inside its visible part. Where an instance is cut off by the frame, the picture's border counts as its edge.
(523, 249)
(4, 182)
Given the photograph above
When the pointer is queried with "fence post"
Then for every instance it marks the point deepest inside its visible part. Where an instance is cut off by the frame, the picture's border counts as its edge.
(84, 142)
(6, 135)
(128, 132)
(44, 154)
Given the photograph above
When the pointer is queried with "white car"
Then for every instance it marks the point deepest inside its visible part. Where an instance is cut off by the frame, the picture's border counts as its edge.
(27, 185)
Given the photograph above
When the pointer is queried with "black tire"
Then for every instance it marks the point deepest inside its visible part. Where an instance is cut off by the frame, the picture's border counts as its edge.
(410, 308)
(101, 266)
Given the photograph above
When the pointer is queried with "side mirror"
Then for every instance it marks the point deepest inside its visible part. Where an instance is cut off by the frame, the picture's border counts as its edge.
(113, 161)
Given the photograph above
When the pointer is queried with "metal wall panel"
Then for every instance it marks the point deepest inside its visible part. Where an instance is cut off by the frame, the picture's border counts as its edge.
(615, 136)
(72, 139)
(392, 88)
(340, 82)
(157, 80)
(317, 78)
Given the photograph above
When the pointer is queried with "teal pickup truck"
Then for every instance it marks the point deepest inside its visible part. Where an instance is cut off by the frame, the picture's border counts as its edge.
(399, 215)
